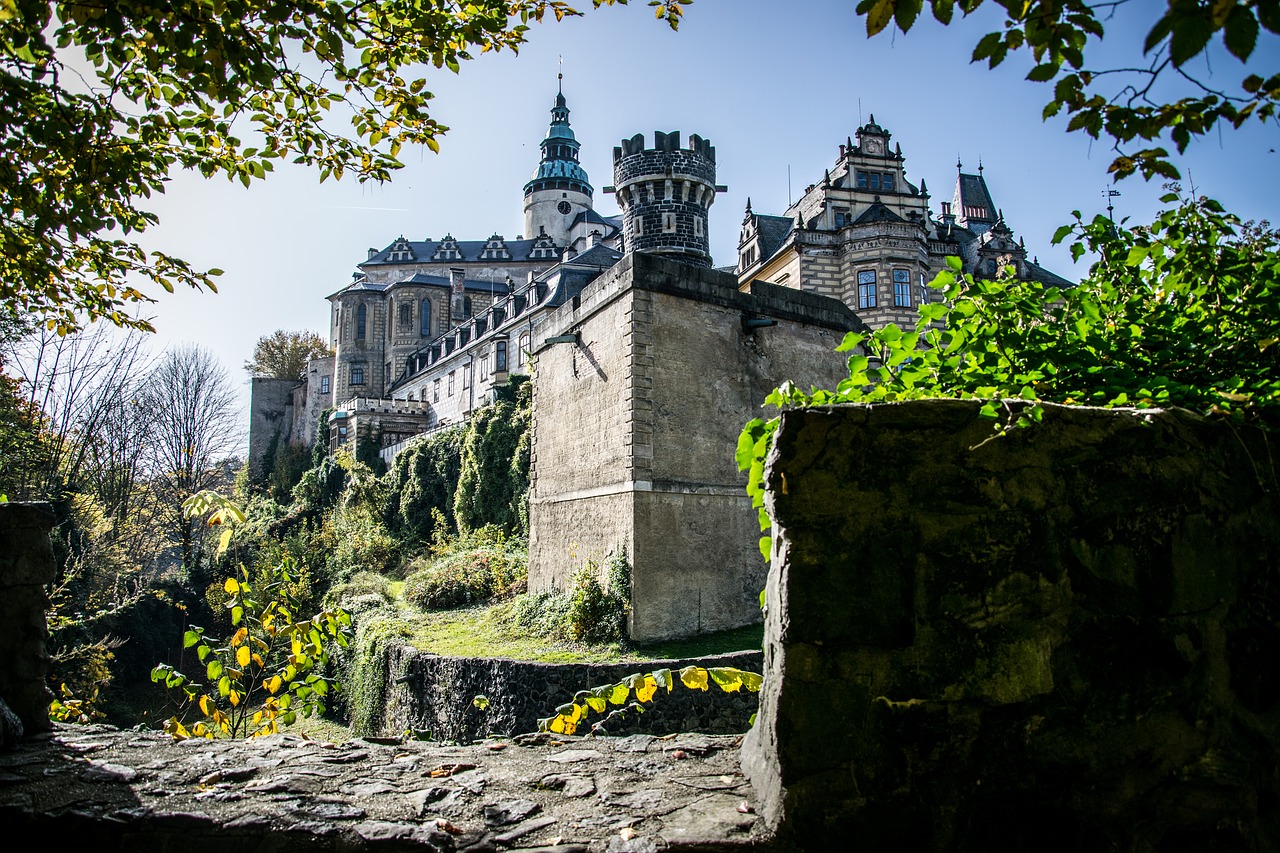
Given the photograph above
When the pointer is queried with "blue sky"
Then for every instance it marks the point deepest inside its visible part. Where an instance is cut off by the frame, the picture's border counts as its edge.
(776, 86)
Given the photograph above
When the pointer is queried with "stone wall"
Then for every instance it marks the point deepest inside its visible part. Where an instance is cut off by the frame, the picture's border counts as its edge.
(26, 567)
(271, 417)
(432, 696)
(1060, 639)
(635, 421)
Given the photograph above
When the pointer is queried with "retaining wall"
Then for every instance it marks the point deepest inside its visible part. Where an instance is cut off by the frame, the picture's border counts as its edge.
(1064, 638)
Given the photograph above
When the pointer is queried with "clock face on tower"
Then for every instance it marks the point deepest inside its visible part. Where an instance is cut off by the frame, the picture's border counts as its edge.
(564, 207)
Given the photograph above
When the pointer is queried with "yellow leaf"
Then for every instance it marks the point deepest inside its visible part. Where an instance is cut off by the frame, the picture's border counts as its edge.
(234, 698)
(273, 683)
(694, 677)
(232, 586)
(238, 637)
(646, 687)
(243, 655)
(206, 707)
(258, 659)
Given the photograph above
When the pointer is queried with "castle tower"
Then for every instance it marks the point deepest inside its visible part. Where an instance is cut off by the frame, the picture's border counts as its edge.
(664, 193)
(558, 193)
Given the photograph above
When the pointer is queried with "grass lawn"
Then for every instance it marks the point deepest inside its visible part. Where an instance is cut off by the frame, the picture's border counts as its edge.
(488, 631)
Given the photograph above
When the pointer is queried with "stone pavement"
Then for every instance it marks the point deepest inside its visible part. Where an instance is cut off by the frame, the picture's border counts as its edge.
(141, 791)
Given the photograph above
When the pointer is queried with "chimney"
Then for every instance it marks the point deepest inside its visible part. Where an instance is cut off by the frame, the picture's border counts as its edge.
(457, 290)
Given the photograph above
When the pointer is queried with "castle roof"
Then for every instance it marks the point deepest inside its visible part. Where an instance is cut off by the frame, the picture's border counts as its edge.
(599, 255)
(972, 200)
(559, 167)
(421, 280)
(773, 231)
(468, 252)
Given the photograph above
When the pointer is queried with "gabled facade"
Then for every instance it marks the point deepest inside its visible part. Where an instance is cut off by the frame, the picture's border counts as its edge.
(865, 235)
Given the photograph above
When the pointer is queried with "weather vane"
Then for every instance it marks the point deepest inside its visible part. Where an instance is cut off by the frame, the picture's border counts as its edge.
(1110, 194)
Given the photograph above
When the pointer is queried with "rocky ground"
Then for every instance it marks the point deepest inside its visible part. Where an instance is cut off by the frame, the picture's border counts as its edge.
(142, 791)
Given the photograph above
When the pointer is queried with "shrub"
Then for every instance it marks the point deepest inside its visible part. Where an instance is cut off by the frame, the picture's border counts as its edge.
(482, 565)
(590, 612)
(267, 672)
(598, 613)
(361, 584)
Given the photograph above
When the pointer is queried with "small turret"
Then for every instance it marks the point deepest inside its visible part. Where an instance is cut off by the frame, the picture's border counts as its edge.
(665, 193)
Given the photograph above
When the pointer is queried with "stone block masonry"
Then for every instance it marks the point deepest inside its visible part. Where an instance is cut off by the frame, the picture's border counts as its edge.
(635, 427)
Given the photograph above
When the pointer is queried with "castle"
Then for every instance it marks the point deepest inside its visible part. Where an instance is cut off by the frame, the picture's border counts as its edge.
(649, 358)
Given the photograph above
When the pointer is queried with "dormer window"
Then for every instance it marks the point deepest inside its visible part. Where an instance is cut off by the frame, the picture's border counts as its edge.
(495, 249)
(447, 250)
(400, 251)
(748, 256)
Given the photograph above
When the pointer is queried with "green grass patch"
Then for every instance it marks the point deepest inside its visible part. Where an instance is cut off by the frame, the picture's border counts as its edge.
(492, 632)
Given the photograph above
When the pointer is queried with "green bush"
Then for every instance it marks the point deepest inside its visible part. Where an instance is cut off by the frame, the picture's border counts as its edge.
(590, 612)
(476, 567)
(493, 480)
(361, 584)
(598, 612)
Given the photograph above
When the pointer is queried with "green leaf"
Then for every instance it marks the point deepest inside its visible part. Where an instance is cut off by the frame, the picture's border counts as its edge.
(1190, 35)
(1043, 73)
(1241, 32)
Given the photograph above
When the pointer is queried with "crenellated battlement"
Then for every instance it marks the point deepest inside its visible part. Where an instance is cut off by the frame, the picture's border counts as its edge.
(665, 142)
(665, 192)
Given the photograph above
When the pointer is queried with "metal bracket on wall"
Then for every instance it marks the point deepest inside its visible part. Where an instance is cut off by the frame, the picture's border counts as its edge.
(751, 323)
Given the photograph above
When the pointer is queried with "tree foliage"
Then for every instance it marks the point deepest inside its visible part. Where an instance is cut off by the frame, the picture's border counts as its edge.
(99, 102)
(1131, 110)
(195, 433)
(284, 355)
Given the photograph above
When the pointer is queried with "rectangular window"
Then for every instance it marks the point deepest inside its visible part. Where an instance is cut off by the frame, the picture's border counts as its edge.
(451, 373)
(357, 374)
(842, 217)
(435, 391)
(862, 180)
(902, 288)
(874, 180)
(466, 376)
(500, 356)
(867, 289)
(324, 384)
(484, 366)
(887, 183)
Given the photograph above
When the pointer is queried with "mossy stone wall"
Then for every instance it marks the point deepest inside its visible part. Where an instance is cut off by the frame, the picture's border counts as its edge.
(1064, 638)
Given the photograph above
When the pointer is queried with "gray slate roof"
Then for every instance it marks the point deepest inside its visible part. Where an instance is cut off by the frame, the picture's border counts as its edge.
(471, 251)
(773, 231)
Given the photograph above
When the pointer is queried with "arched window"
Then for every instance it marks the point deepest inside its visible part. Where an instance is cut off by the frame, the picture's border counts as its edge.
(362, 317)
(424, 319)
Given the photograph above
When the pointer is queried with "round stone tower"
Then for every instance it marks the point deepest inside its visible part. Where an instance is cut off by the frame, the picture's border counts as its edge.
(558, 193)
(664, 193)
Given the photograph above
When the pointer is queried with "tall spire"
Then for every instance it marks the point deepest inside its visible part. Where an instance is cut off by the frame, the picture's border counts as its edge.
(559, 165)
